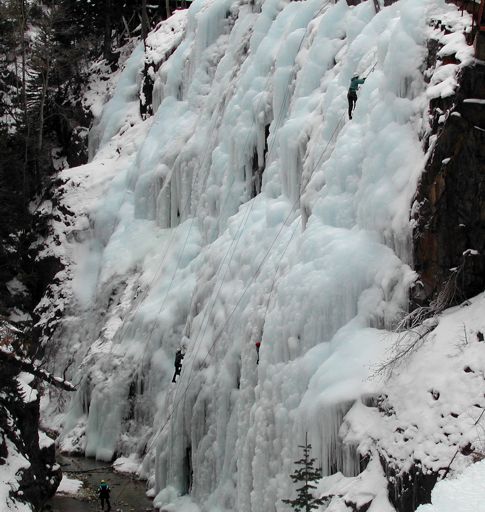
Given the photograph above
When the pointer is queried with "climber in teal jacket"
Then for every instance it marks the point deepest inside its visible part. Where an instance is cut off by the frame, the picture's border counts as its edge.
(103, 494)
(352, 94)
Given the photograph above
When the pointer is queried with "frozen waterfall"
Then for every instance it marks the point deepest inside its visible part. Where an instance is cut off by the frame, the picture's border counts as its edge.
(248, 208)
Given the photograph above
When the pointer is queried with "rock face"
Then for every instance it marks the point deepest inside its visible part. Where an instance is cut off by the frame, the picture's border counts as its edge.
(449, 234)
(413, 488)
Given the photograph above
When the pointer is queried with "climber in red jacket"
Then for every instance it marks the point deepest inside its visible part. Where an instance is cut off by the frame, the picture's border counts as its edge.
(257, 344)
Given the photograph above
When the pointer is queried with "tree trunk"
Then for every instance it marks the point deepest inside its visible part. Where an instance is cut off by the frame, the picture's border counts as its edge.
(145, 22)
(107, 30)
(43, 97)
(25, 113)
(167, 8)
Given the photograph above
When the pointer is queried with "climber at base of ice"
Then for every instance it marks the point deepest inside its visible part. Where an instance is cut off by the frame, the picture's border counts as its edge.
(352, 94)
(179, 355)
(257, 345)
(103, 493)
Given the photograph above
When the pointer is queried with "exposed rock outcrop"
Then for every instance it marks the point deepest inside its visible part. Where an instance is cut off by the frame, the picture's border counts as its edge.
(408, 491)
(449, 233)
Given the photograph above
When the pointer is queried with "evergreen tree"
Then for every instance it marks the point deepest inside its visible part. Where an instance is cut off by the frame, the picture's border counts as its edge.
(306, 474)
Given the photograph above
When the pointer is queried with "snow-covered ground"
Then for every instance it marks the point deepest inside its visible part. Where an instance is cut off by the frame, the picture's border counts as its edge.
(249, 208)
(465, 493)
(69, 486)
(430, 409)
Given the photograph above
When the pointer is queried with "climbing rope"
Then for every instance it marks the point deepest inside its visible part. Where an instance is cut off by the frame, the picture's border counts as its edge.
(232, 248)
(206, 155)
(251, 281)
(202, 331)
(231, 251)
(332, 137)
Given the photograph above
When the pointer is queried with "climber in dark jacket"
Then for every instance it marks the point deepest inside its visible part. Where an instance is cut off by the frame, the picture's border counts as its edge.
(179, 355)
(103, 493)
(352, 94)
(257, 344)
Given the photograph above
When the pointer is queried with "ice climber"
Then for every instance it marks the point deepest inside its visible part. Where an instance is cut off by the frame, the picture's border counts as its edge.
(352, 94)
(258, 344)
(179, 355)
(103, 493)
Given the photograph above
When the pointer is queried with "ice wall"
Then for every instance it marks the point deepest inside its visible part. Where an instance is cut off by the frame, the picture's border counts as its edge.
(248, 208)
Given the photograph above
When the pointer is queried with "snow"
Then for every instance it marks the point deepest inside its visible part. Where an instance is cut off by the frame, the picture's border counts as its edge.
(170, 502)
(465, 493)
(165, 38)
(9, 470)
(18, 316)
(121, 111)
(103, 81)
(69, 486)
(438, 397)
(443, 82)
(28, 392)
(129, 464)
(474, 100)
(170, 241)
(454, 45)
(369, 486)
(14, 287)
(45, 441)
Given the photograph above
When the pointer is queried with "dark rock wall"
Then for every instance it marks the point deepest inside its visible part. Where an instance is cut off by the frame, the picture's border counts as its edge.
(409, 490)
(449, 232)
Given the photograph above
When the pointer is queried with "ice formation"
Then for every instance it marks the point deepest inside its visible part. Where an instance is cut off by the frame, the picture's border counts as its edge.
(248, 208)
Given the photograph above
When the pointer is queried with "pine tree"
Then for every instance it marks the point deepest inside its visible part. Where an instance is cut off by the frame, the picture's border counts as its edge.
(307, 474)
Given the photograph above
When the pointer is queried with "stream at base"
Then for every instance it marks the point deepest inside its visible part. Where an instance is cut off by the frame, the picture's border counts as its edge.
(127, 493)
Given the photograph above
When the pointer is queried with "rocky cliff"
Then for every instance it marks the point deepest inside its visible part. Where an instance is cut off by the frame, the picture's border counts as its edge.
(449, 230)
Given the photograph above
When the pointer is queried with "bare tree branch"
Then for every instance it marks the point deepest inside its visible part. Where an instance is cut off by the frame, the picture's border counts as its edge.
(27, 366)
